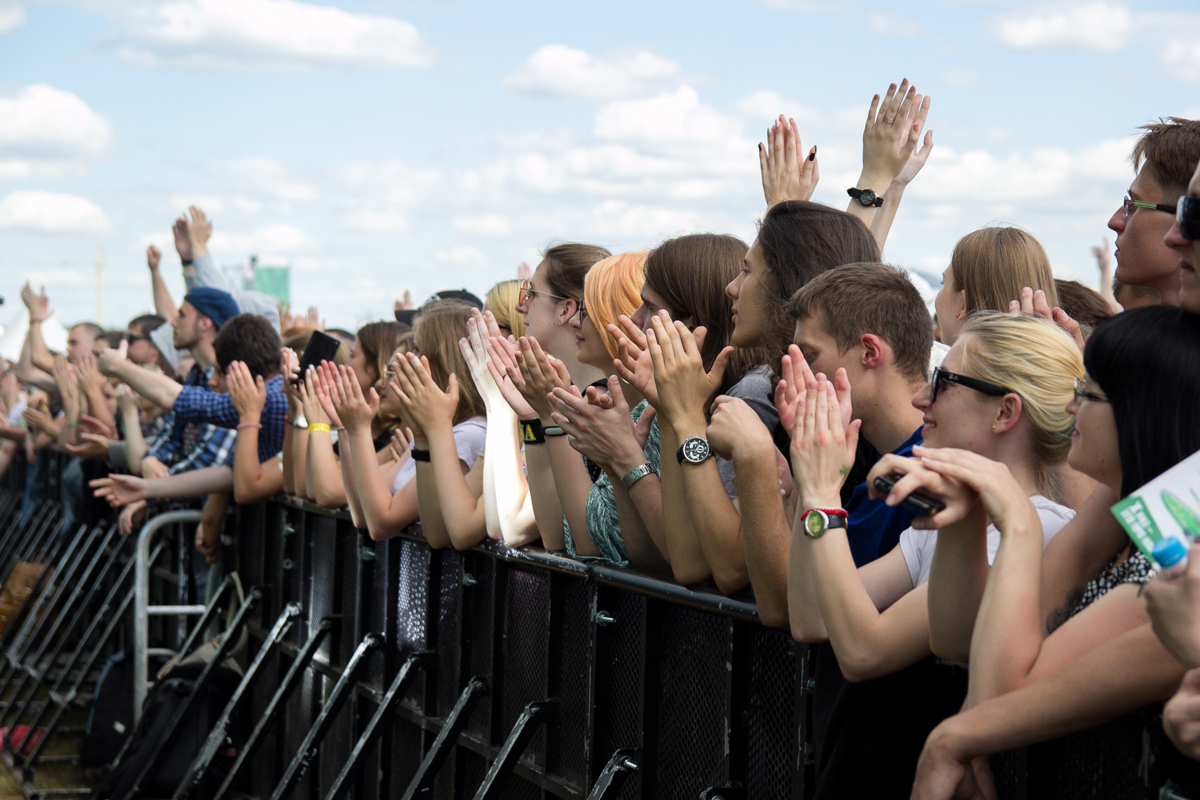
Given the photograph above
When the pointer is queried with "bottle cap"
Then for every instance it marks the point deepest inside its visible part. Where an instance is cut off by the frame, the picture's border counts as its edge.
(1168, 552)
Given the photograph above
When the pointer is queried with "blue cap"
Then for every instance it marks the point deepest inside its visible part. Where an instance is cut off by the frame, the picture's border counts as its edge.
(213, 303)
(1168, 552)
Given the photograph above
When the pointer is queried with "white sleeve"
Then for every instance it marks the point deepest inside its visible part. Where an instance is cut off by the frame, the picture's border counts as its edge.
(469, 438)
(912, 546)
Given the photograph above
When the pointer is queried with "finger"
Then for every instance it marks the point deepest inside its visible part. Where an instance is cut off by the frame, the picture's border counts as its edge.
(716, 375)
(635, 334)
(1027, 301)
(872, 111)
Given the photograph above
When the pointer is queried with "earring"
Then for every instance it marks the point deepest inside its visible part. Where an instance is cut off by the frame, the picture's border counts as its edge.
(958, 315)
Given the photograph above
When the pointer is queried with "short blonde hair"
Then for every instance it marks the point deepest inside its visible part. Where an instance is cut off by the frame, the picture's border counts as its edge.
(614, 287)
(501, 300)
(992, 265)
(1034, 359)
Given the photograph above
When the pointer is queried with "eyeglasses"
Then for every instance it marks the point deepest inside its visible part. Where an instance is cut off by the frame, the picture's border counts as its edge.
(527, 289)
(133, 337)
(1129, 205)
(1187, 212)
(1082, 393)
(942, 377)
(580, 311)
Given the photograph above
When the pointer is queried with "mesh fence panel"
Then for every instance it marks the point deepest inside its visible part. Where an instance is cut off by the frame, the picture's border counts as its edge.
(323, 589)
(350, 598)
(693, 702)
(1101, 762)
(449, 630)
(405, 756)
(525, 651)
(413, 607)
(1009, 771)
(375, 607)
(619, 687)
(479, 624)
(772, 730)
(575, 639)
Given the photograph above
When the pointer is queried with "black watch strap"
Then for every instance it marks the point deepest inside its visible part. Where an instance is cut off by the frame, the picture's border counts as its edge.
(532, 431)
(419, 455)
(865, 196)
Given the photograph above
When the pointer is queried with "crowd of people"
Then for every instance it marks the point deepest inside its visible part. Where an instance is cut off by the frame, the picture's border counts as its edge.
(924, 497)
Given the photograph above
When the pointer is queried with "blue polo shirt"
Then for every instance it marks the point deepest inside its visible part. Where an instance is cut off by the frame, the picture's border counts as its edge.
(874, 527)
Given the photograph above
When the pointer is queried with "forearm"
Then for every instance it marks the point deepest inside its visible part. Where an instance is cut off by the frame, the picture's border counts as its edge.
(193, 483)
(30, 374)
(299, 449)
(135, 443)
(98, 405)
(687, 558)
(247, 472)
(455, 508)
(39, 353)
(346, 466)
(804, 612)
(384, 515)
(543, 494)
(507, 503)
(765, 533)
(1127, 673)
(876, 182)
(957, 578)
(573, 483)
(164, 306)
(322, 475)
(639, 510)
(154, 386)
(11, 433)
(881, 225)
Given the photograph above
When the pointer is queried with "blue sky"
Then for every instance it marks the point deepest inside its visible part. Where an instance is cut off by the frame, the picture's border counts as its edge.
(379, 146)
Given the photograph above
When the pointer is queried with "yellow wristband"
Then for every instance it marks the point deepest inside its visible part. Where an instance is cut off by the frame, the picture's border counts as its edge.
(318, 426)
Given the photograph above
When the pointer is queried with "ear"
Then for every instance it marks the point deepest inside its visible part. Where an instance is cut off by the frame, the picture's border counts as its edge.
(874, 351)
(1009, 413)
(567, 309)
(960, 303)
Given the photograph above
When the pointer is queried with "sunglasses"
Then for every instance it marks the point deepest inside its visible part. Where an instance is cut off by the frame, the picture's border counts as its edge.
(1083, 393)
(941, 377)
(1187, 213)
(527, 290)
(133, 337)
(1129, 205)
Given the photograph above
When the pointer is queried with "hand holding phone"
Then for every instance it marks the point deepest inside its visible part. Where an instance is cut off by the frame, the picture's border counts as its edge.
(925, 504)
(321, 347)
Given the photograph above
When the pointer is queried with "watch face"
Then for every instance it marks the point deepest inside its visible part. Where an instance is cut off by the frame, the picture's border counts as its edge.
(696, 450)
(867, 198)
(815, 523)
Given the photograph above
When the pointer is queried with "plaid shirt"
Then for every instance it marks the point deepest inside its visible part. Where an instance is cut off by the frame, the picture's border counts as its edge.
(185, 445)
(201, 405)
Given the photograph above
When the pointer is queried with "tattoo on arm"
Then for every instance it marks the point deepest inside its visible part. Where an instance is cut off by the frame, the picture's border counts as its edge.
(1060, 615)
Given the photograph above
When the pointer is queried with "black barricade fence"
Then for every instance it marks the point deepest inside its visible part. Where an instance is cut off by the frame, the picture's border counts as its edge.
(408, 672)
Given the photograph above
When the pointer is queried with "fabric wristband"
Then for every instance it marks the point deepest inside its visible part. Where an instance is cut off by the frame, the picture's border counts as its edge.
(249, 425)
(420, 455)
(318, 426)
(553, 430)
(532, 431)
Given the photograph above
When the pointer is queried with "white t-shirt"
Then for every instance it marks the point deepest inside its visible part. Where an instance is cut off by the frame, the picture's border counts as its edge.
(917, 546)
(937, 354)
(469, 437)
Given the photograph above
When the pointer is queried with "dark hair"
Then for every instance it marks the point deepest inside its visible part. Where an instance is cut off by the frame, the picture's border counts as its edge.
(1082, 304)
(251, 339)
(567, 264)
(114, 338)
(1170, 147)
(691, 273)
(799, 241)
(378, 341)
(344, 336)
(1146, 361)
(147, 323)
(856, 299)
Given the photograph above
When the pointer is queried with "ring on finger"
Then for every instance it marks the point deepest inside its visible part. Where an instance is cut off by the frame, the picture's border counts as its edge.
(891, 121)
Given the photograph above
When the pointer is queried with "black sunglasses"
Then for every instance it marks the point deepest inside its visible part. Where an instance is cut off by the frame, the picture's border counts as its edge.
(941, 377)
(1187, 213)
(133, 337)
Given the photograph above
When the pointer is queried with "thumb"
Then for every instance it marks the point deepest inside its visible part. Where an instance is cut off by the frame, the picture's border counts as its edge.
(644, 422)
(123, 349)
(852, 435)
(258, 381)
(720, 364)
(1191, 681)
(452, 386)
(614, 389)
(700, 334)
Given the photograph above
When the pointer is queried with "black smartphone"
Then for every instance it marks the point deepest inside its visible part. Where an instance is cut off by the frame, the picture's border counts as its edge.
(926, 505)
(321, 347)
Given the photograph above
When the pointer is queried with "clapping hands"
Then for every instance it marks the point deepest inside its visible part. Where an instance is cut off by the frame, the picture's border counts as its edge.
(891, 136)
(786, 173)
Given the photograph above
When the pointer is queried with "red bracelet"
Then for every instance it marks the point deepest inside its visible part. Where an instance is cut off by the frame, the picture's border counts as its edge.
(249, 425)
(841, 512)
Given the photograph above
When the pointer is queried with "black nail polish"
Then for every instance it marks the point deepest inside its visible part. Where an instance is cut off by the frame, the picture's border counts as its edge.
(813, 154)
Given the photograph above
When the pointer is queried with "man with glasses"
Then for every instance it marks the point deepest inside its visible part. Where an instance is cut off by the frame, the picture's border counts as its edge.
(1164, 157)
(142, 349)
(1183, 237)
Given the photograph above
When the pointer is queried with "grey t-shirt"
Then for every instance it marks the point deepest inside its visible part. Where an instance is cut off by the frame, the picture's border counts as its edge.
(758, 391)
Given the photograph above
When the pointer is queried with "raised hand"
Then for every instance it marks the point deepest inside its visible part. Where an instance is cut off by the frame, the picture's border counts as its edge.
(153, 256)
(87, 372)
(68, 386)
(10, 390)
(36, 302)
(112, 359)
(787, 174)
(684, 388)
(38, 417)
(183, 244)
(91, 445)
(199, 230)
(98, 427)
(604, 435)
(313, 319)
(633, 362)
(129, 517)
(502, 363)
(126, 399)
(541, 374)
(324, 383)
(406, 304)
(735, 424)
(350, 406)
(796, 377)
(422, 399)
(153, 468)
(892, 133)
(1034, 304)
(120, 490)
(248, 392)
(823, 449)
(475, 353)
(306, 390)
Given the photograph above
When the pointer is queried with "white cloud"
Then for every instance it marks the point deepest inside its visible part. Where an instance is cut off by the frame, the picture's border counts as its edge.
(961, 77)
(260, 34)
(52, 213)
(484, 224)
(272, 239)
(1088, 26)
(12, 16)
(673, 123)
(47, 132)
(893, 26)
(563, 71)
(265, 177)
(382, 194)
(1182, 60)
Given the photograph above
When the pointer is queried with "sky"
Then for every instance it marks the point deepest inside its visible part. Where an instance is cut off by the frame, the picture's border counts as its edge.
(380, 146)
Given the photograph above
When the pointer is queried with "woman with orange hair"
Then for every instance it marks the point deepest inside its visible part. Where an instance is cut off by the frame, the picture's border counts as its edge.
(623, 509)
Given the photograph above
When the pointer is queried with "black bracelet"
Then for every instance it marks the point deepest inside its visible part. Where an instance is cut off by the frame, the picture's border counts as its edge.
(419, 455)
(187, 262)
(532, 431)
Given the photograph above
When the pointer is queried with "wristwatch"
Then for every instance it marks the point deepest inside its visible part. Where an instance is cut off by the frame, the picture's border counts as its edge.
(300, 422)
(816, 521)
(636, 474)
(694, 450)
(865, 196)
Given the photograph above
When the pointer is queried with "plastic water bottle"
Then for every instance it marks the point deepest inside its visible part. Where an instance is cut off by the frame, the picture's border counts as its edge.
(1168, 552)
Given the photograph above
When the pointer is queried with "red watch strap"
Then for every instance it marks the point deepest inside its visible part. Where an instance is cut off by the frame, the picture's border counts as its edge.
(841, 512)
